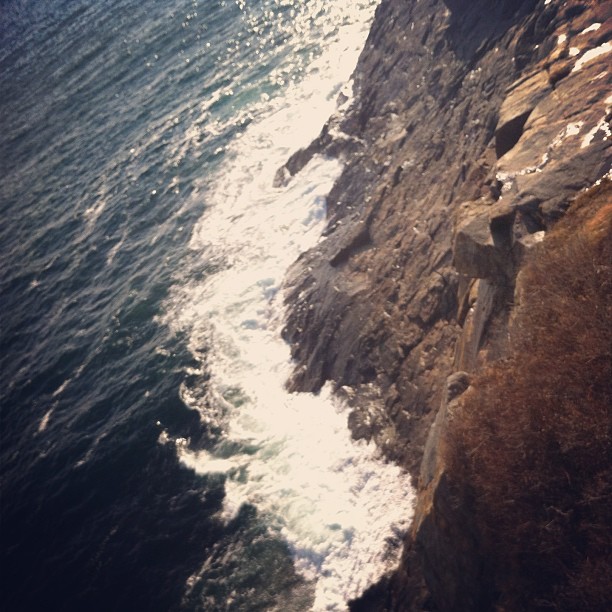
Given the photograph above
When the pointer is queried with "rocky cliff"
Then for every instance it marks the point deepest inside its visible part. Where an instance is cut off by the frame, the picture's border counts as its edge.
(474, 127)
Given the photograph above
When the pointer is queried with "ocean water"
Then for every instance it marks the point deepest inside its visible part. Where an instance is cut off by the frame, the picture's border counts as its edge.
(150, 456)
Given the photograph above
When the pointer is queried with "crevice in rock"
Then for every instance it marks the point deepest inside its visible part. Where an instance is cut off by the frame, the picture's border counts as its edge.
(510, 133)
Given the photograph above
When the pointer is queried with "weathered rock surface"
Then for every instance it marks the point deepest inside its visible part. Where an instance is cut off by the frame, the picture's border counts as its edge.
(474, 126)
(523, 96)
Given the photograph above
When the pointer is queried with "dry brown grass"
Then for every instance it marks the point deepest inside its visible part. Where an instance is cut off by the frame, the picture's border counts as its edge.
(531, 447)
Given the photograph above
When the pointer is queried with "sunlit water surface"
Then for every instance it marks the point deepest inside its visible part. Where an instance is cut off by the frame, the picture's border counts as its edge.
(143, 369)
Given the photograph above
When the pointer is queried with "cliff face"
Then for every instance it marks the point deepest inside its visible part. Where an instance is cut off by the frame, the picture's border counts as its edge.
(475, 126)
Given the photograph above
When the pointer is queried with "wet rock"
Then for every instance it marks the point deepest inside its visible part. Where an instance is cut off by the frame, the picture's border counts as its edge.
(332, 142)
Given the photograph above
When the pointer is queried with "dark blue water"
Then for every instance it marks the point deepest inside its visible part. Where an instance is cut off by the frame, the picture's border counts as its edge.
(115, 117)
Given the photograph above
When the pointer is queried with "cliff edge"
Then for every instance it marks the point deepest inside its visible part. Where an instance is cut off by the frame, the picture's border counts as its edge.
(474, 128)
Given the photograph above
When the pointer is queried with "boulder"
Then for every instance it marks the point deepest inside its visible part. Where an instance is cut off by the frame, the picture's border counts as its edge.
(480, 253)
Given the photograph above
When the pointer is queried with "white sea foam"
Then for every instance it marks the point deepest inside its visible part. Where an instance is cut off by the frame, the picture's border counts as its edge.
(335, 501)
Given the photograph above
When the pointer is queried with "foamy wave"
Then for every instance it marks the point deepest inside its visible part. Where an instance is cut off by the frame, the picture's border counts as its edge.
(337, 504)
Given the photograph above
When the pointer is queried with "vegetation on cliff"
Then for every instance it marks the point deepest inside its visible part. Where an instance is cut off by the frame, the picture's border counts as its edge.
(529, 450)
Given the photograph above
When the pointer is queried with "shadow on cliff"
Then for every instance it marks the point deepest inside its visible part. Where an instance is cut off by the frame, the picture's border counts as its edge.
(530, 446)
(476, 25)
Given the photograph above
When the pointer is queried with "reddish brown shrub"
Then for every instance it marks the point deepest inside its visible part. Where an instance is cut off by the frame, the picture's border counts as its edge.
(530, 448)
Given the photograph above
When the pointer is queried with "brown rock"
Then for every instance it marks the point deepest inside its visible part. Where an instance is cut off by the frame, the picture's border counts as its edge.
(376, 306)
(480, 253)
(522, 97)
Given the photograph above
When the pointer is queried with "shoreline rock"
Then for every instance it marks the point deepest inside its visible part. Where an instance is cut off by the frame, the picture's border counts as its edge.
(473, 128)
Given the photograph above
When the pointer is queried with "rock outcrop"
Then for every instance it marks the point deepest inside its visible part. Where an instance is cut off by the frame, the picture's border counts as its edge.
(474, 127)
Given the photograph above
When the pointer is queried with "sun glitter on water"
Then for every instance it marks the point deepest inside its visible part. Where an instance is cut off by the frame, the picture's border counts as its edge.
(334, 501)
